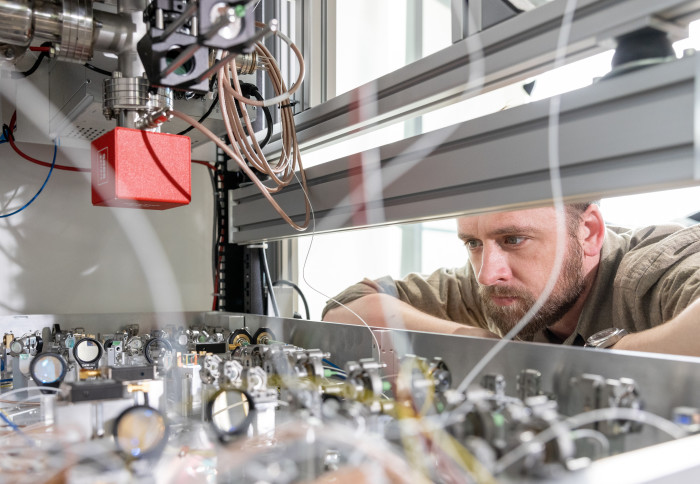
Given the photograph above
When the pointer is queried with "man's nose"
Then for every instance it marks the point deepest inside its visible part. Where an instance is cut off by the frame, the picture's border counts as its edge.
(494, 267)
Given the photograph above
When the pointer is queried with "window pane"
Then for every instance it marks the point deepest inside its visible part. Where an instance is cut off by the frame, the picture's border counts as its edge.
(441, 246)
(437, 26)
(370, 42)
(339, 260)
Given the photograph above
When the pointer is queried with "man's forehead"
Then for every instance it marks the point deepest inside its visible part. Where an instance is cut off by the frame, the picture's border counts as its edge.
(531, 219)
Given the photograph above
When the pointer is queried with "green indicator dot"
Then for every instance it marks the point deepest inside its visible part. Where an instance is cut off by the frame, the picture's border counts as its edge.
(386, 386)
(498, 420)
(240, 10)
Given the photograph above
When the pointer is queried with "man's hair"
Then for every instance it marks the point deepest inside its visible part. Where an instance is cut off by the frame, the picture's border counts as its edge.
(573, 214)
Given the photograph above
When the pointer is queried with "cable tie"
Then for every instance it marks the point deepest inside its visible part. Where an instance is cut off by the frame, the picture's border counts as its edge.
(290, 104)
(7, 133)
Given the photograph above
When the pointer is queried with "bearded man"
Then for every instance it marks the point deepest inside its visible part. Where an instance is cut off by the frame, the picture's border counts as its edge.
(627, 289)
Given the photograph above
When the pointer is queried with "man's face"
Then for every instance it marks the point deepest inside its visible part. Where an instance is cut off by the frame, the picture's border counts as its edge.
(512, 255)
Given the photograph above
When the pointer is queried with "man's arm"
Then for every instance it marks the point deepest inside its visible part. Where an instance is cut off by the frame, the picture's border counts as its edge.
(386, 311)
(679, 336)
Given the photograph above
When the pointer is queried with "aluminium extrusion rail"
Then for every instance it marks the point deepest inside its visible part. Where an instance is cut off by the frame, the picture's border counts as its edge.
(513, 50)
(620, 135)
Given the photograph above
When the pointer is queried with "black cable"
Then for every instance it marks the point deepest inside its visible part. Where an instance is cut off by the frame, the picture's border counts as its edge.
(98, 70)
(204, 116)
(268, 119)
(31, 70)
(249, 90)
(215, 225)
(6, 133)
(266, 268)
(283, 282)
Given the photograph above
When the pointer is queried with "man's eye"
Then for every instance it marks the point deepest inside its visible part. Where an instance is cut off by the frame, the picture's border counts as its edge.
(473, 244)
(514, 240)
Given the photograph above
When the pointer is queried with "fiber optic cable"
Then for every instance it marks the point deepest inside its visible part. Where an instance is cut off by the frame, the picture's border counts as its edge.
(55, 150)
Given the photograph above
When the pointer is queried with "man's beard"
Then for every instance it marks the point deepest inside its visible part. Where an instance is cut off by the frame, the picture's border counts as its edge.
(566, 292)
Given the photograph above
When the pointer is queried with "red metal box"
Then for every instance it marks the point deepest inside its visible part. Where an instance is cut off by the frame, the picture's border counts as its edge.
(140, 169)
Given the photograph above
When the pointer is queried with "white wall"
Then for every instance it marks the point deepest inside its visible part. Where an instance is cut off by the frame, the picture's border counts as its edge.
(62, 255)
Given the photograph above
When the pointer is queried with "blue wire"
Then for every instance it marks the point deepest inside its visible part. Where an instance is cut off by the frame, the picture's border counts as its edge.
(14, 427)
(53, 163)
(10, 422)
(327, 362)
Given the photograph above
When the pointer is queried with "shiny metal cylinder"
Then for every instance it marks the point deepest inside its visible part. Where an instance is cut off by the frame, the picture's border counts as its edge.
(247, 63)
(162, 99)
(76, 31)
(114, 34)
(160, 21)
(16, 22)
(130, 64)
(128, 6)
(129, 93)
(47, 21)
(194, 26)
(128, 119)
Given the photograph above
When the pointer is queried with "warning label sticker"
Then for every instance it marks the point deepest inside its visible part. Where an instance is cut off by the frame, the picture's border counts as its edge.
(102, 165)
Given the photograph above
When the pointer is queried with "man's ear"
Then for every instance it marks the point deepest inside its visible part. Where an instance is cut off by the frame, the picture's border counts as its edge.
(592, 230)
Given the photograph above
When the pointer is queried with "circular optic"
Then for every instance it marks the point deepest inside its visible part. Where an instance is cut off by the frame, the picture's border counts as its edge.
(87, 352)
(140, 431)
(230, 412)
(158, 351)
(48, 369)
(264, 336)
(16, 347)
(239, 337)
(185, 69)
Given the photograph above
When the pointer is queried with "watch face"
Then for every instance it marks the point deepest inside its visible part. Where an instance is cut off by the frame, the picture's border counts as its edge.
(606, 338)
(606, 333)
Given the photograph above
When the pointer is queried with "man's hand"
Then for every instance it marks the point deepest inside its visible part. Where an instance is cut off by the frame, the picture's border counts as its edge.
(680, 336)
(382, 310)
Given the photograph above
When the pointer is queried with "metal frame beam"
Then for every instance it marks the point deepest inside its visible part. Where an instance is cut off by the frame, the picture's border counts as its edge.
(617, 136)
(505, 53)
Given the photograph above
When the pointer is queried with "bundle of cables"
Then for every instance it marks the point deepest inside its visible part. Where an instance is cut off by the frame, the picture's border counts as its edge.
(245, 148)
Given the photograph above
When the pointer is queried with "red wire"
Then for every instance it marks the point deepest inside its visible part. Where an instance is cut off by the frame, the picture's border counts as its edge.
(218, 257)
(13, 120)
(207, 164)
(40, 49)
(216, 292)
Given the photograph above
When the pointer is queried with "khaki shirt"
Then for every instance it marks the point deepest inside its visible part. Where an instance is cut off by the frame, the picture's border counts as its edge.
(645, 277)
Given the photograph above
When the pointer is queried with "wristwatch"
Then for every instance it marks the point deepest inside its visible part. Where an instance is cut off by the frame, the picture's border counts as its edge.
(606, 338)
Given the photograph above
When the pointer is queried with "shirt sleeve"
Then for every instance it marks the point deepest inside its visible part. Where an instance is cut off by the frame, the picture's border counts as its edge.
(449, 294)
(657, 282)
